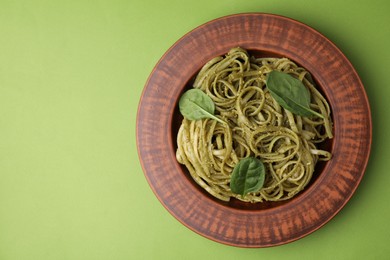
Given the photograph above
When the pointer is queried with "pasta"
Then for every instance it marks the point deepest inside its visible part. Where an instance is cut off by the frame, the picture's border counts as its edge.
(256, 125)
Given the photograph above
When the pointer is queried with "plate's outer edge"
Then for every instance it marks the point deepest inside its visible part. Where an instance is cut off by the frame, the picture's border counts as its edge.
(321, 201)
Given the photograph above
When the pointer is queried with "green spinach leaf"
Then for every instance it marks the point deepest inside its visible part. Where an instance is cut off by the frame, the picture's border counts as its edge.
(290, 93)
(247, 176)
(194, 104)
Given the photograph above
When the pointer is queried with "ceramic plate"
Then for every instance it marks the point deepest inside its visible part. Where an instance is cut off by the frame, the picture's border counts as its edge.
(244, 224)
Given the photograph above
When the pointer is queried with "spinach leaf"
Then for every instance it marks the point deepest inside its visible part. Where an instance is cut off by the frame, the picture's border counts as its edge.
(194, 104)
(290, 93)
(247, 176)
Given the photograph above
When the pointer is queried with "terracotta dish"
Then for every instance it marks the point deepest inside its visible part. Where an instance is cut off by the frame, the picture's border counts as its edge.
(262, 224)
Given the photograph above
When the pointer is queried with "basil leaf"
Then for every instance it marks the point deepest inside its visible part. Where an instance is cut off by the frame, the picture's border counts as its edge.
(194, 104)
(247, 176)
(290, 93)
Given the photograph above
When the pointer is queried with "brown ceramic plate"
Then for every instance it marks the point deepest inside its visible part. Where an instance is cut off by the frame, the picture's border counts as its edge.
(244, 224)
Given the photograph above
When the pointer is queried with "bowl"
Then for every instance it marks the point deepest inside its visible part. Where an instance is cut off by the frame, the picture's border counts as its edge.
(240, 223)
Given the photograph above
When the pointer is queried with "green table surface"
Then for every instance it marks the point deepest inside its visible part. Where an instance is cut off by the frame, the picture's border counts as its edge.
(71, 75)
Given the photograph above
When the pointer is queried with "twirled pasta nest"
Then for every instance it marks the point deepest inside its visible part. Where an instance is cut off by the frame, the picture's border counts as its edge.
(256, 126)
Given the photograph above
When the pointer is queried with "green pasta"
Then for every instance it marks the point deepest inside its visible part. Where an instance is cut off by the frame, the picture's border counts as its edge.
(256, 125)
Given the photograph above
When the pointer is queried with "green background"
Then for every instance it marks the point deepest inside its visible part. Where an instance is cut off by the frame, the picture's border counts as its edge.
(71, 75)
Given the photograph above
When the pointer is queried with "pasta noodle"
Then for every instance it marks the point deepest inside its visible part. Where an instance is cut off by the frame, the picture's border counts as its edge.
(256, 126)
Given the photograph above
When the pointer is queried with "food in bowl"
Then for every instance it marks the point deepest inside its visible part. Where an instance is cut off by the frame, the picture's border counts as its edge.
(252, 128)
